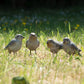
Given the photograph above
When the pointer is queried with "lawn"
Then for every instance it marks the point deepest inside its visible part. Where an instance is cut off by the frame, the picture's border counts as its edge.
(42, 68)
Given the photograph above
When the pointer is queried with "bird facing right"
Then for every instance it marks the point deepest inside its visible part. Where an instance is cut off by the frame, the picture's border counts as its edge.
(70, 47)
(32, 43)
(15, 44)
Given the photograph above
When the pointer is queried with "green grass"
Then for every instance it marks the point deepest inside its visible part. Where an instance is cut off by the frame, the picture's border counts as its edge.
(42, 68)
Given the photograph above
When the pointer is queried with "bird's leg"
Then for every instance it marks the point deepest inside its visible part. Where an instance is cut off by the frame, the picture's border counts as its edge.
(9, 51)
(30, 52)
(15, 53)
(35, 52)
(53, 55)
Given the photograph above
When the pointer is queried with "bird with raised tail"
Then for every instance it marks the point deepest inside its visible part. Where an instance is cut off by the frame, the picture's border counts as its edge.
(15, 44)
(32, 43)
(69, 47)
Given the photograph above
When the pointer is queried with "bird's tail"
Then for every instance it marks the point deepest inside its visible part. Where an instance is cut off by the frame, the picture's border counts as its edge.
(79, 53)
(61, 46)
(5, 47)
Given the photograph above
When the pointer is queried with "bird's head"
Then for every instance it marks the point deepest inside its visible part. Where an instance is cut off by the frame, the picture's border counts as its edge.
(19, 37)
(50, 43)
(33, 36)
(66, 40)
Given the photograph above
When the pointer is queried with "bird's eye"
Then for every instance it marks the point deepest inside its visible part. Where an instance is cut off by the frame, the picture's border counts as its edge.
(17, 36)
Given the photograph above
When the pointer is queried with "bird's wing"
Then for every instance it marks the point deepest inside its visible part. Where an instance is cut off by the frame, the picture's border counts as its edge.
(74, 47)
(58, 45)
(11, 44)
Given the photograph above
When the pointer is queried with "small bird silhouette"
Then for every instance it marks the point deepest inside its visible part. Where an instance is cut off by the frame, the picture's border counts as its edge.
(32, 43)
(15, 44)
(54, 46)
(70, 47)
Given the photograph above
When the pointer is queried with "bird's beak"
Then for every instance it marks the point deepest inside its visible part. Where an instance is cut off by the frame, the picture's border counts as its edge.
(63, 42)
(47, 43)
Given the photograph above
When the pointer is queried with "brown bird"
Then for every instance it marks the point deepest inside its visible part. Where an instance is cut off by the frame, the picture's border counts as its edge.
(15, 44)
(32, 43)
(70, 47)
(54, 46)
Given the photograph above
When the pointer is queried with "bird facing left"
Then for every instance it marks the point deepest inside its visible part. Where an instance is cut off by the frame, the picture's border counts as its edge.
(54, 46)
